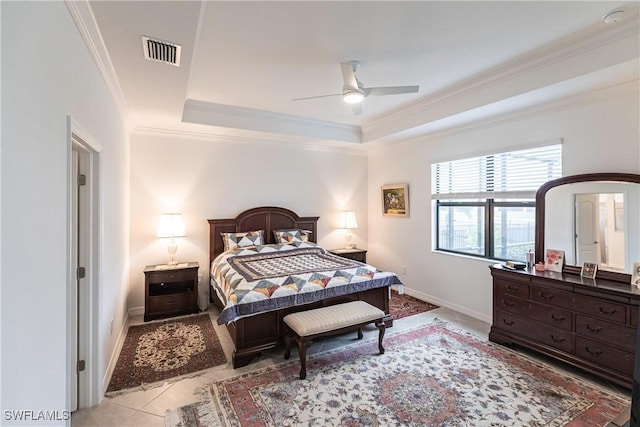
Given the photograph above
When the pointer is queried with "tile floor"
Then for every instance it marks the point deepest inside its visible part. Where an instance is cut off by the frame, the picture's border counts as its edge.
(147, 408)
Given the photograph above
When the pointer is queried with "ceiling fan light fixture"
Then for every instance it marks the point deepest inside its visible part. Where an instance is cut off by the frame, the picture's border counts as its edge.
(352, 96)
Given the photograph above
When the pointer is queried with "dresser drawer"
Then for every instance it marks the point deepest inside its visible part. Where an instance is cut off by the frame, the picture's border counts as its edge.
(505, 302)
(505, 287)
(171, 303)
(601, 308)
(604, 355)
(600, 330)
(633, 315)
(554, 316)
(554, 337)
(552, 296)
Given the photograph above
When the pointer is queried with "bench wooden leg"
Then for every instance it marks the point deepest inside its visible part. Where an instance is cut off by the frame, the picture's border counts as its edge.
(287, 345)
(360, 333)
(381, 327)
(302, 350)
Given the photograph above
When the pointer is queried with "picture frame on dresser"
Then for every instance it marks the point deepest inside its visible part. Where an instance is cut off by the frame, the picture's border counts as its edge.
(589, 270)
(395, 200)
(635, 276)
(554, 260)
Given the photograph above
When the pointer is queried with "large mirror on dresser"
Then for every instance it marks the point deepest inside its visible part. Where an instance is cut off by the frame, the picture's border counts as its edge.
(593, 218)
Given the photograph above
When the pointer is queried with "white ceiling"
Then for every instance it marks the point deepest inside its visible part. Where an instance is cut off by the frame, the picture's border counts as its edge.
(243, 63)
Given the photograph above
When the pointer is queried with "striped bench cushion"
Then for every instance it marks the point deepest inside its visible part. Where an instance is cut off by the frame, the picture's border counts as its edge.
(331, 318)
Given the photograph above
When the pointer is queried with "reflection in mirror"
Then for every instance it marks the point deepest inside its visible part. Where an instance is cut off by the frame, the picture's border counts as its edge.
(595, 222)
(599, 230)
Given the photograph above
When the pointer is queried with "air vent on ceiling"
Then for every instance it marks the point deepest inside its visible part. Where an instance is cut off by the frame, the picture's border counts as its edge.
(157, 50)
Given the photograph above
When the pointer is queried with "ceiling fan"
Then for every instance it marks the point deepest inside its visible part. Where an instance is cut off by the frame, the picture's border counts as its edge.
(353, 91)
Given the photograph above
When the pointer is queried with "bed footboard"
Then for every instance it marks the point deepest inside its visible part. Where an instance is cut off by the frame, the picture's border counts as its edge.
(255, 334)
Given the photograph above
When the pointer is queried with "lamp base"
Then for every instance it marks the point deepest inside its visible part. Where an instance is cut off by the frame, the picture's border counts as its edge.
(351, 246)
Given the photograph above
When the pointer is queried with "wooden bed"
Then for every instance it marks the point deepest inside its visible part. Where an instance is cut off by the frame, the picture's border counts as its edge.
(254, 334)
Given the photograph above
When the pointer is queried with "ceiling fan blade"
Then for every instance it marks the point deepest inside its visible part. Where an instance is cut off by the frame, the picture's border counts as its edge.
(314, 97)
(390, 90)
(348, 74)
(357, 109)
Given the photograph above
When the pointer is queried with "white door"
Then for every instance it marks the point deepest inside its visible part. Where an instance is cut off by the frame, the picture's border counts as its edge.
(73, 286)
(587, 226)
(79, 239)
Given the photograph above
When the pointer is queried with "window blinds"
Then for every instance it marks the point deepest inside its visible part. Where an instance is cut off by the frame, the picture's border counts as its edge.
(508, 175)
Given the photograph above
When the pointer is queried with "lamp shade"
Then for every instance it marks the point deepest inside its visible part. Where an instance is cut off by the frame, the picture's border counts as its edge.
(171, 225)
(348, 220)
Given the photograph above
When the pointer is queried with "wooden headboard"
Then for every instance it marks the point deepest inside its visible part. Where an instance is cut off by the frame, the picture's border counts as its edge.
(267, 218)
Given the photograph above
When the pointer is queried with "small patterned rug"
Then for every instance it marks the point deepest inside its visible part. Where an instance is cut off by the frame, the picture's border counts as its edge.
(429, 376)
(403, 305)
(155, 352)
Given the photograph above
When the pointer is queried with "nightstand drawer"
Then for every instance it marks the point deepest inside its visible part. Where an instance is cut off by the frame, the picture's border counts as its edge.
(171, 303)
(169, 276)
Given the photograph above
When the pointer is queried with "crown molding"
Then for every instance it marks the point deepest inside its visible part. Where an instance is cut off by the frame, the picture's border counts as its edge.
(248, 140)
(85, 21)
(550, 107)
(569, 57)
(208, 113)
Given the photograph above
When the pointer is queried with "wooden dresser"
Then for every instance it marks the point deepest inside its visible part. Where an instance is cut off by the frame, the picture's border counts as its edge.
(589, 323)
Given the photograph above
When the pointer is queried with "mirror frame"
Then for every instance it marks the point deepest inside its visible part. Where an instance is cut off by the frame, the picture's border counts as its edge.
(540, 216)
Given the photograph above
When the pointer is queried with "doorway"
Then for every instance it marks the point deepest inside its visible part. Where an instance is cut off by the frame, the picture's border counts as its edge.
(83, 275)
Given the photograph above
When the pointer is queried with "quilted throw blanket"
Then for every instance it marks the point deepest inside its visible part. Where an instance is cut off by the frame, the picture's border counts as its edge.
(270, 277)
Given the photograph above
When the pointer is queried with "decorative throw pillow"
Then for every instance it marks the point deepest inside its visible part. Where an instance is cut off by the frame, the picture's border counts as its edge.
(289, 236)
(242, 240)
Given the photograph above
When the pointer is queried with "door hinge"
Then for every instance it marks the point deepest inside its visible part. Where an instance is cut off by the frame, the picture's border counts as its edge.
(82, 180)
(81, 365)
(80, 273)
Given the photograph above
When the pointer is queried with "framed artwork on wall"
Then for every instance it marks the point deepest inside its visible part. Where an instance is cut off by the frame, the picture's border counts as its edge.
(395, 200)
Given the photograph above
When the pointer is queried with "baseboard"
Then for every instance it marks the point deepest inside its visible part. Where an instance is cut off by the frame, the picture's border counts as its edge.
(136, 311)
(447, 304)
(115, 354)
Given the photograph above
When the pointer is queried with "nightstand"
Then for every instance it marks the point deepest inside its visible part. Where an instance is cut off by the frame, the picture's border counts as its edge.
(170, 290)
(355, 254)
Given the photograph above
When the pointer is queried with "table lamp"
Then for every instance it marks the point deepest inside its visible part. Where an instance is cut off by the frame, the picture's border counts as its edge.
(348, 222)
(171, 226)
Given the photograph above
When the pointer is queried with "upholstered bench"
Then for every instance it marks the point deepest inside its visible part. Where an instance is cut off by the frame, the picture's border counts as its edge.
(330, 320)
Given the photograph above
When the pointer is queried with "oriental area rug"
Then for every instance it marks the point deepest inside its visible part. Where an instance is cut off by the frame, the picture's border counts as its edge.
(429, 376)
(403, 305)
(155, 352)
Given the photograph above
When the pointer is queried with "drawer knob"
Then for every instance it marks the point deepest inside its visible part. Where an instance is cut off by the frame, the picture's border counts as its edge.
(512, 288)
(543, 296)
(508, 323)
(593, 352)
(610, 312)
(558, 318)
(508, 303)
(595, 330)
(554, 339)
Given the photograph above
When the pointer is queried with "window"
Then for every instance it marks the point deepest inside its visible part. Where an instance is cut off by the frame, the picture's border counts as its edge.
(485, 206)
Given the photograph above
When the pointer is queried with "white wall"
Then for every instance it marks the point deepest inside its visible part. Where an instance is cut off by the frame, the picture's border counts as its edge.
(206, 178)
(48, 74)
(600, 133)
